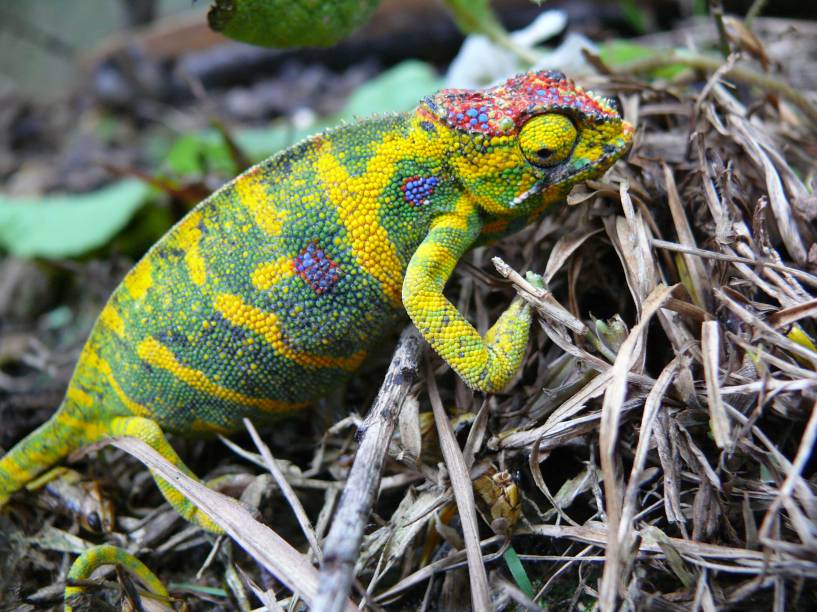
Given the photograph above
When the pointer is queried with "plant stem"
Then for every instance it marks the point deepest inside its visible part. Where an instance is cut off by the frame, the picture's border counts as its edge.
(477, 17)
(716, 9)
(754, 11)
(697, 61)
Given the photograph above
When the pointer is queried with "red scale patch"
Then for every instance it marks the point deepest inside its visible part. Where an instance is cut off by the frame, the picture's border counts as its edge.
(503, 109)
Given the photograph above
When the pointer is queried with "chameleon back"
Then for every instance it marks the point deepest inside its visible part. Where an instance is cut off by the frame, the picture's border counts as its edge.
(269, 292)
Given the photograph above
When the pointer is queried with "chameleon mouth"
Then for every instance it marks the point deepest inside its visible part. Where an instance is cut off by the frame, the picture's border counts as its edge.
(611, 153)
(537, 188)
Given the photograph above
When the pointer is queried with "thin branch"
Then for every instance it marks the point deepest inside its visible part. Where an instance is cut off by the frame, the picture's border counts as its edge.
(286, 489)
(342, 546)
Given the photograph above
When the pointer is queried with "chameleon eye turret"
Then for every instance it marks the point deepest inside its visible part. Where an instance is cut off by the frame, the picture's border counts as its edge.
(547, 140)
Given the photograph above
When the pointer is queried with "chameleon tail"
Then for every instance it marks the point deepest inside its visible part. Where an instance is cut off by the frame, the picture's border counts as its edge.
(149, 432)
(106, 554)
(60, 435)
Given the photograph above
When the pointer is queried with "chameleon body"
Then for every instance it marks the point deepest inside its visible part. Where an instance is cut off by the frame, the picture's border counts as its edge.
(271, 291)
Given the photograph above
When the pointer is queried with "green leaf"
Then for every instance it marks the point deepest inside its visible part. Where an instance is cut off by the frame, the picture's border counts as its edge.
(619, 53)
(284, 23)
(200, 153)
(68, 225)
(518, 572)
(398, 89)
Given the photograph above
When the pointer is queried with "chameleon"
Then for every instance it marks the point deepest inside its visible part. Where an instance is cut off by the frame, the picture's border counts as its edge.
(270, 292)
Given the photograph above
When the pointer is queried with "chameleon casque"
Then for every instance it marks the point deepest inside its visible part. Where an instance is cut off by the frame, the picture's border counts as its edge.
(269, 292)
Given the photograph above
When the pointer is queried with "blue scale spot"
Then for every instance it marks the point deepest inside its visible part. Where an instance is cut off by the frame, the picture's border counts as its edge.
(472, 112)
(318, 270)
(417, 190)
(483, 118)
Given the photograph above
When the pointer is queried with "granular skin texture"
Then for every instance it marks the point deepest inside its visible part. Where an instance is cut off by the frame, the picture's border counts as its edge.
(271, 291)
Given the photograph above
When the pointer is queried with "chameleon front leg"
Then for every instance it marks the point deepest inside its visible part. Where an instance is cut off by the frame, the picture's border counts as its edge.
(484, 364)
(106, 554)
(149, 432)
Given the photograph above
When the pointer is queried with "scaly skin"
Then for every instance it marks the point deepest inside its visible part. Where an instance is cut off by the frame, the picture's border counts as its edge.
(106, 554)
(271, 291)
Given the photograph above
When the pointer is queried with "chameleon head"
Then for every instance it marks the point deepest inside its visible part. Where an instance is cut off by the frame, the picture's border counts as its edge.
(525, 143)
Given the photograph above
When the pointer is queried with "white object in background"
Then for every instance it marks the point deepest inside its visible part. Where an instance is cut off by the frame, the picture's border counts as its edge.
(567, 57)
(481, 63)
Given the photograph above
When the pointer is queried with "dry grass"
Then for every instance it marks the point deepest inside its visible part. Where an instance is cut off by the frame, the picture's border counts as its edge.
(706, 502)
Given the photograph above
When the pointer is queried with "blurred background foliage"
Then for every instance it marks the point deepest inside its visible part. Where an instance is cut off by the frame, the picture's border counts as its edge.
(116, 117)
(100, 90)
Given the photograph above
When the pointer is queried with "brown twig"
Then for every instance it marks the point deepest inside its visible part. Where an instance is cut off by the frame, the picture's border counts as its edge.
(342, 546)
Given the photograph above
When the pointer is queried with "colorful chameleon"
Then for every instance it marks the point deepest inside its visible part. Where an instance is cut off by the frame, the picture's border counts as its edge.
(271, 291)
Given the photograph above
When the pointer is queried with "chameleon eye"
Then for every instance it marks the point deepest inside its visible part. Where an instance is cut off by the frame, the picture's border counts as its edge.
(94, 522)
(547, 140)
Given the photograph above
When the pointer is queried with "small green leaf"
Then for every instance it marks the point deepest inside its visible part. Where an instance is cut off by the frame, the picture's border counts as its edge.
(518, 572)
(619, 53)
(283, 23)
(68, 225)
(200, 153)
(198, 588)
